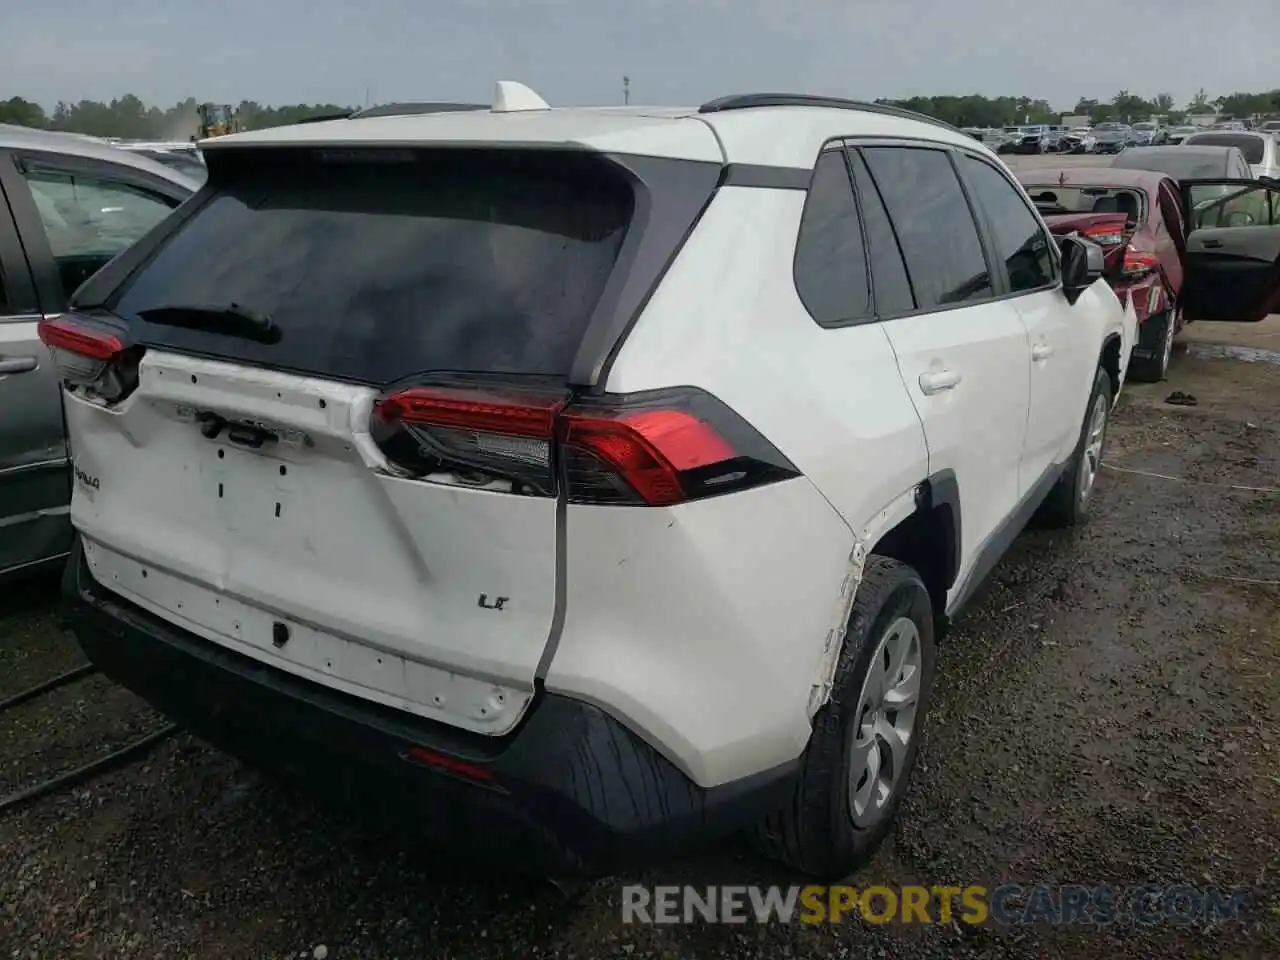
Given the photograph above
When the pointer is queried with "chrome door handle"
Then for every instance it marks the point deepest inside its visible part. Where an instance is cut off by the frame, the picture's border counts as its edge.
(935, 381)
(1041, 351)
(17, 364)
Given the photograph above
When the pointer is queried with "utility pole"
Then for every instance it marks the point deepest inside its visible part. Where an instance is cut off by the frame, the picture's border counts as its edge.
(626, 91)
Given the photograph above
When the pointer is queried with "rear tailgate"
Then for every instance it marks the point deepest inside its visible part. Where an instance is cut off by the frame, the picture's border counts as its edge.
(238, 490)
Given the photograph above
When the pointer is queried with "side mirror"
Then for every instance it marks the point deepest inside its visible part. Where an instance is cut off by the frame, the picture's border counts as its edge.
(1083, 265)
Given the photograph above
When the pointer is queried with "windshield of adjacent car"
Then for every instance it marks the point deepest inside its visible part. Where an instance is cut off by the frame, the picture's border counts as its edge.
(1250, 144)
(1110, 126)
(1144, 126)
(1055, 200)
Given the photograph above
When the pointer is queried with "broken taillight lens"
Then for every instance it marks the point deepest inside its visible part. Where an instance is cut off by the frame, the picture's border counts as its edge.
(90, 355)
(1138, 265)
(1106, 235)
(653, 449)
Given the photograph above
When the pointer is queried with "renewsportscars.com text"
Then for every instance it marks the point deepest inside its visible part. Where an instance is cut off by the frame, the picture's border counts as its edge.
(1007, 905)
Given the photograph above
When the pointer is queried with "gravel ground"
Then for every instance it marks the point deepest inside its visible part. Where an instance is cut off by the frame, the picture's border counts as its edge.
(1106, 714)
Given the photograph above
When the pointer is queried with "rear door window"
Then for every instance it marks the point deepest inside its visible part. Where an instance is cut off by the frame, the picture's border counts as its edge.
(373, 270)
(1021, 242)
(89, 219)
(934, 224)
(889, 282)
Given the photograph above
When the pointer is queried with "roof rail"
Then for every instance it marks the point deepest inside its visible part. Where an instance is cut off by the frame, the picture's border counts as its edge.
(746, 101)
(415, 108)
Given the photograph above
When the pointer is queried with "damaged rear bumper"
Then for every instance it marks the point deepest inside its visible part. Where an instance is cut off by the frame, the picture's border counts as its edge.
(570, 791)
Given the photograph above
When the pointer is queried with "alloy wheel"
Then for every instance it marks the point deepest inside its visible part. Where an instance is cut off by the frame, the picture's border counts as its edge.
(886, 721)
(1091, 462)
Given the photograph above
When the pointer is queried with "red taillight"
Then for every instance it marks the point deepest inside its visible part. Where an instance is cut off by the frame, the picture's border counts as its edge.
(472, 410)
(648, 449)
(92, 356)
(1137, 264)
(59, 333)
(655, 450)
(1106, 235)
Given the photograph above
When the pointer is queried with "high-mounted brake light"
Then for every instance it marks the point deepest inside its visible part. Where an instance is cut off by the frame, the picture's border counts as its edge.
(94, 356)
(656, 449)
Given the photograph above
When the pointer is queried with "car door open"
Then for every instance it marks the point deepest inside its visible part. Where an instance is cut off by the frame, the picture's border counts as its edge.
(1233, 249)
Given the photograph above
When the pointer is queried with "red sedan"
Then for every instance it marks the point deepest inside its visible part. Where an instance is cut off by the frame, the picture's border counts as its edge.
(1136, 217)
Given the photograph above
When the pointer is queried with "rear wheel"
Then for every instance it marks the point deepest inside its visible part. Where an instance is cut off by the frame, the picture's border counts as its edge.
(1069, 501)
(1155, 337)
(856, 768)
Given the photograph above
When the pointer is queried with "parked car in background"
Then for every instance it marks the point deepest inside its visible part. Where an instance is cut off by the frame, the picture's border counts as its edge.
(572, 579)
(1054, 134)
(1112, 137)
(1136, 217)
(1034, 138)
(1271, 126)
(1079, 140)
(68, 205)
(1009, 139)
(1261, 150)
(1187, 162)
(1178, 134)
(1149, 134)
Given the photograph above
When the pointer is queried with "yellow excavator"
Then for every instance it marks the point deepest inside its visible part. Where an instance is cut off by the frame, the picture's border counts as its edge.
(217, 120)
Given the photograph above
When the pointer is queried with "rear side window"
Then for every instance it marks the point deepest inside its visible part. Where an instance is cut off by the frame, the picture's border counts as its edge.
(889, 283)
(1250, 146)
(934, 225)
(447, 260)
(830, 262)
(1020, 241)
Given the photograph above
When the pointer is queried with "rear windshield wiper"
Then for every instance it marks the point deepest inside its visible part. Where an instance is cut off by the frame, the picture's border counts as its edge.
(230, 319)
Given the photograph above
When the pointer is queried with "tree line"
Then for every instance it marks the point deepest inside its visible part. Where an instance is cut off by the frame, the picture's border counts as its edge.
(131, 119)
(128, 117)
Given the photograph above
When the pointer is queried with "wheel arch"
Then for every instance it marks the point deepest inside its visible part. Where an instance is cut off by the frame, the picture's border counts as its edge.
(928, 539)
(1109, 360)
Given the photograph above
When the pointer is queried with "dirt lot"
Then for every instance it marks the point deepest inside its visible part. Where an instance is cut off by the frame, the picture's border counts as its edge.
(1106, 714)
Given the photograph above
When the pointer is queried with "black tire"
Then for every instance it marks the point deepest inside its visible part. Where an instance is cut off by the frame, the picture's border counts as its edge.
(816, 834)
(1068, 502)
(1156, 337)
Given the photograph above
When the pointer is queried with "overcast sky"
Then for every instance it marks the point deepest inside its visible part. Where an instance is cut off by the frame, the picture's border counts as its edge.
(676, 51)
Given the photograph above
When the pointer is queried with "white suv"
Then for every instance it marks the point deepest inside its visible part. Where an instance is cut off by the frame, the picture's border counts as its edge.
(591, 480)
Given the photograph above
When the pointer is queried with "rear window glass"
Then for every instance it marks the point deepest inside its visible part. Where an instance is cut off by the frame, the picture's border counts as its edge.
(1180, 163)
(1250, 146)
(1054, 200)
(372, 271)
